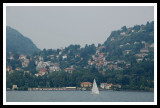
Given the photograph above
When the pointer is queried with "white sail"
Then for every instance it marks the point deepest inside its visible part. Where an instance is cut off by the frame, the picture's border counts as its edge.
(95, 88)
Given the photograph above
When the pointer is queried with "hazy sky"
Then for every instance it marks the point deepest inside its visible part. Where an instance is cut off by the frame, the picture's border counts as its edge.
(59, 26)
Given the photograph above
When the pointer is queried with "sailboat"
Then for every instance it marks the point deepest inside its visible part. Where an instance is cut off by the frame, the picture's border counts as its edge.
(95, 88)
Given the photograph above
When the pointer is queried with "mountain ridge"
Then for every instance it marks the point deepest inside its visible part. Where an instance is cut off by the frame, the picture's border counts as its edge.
(125, 58)
(17, 43)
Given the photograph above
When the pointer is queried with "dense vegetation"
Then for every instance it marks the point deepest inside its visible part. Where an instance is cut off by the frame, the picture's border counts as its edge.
(137, 76)
(141, 33)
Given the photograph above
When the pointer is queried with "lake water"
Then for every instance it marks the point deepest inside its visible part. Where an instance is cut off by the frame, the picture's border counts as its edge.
(78, 96)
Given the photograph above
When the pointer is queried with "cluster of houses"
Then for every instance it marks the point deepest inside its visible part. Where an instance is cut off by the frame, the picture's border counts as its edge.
(99, 59)
(42, 67)
(100, 62)
(49, 67)
(24, 62)
(45, 67)
(83, 86)
(127, 33)
(103, 86)
(131, 30)
(144, 51)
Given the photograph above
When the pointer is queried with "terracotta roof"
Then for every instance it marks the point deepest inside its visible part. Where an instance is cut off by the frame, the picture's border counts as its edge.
(86, 83)
(43, 70)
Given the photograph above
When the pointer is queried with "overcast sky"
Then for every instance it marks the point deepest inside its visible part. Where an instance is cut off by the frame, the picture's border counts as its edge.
(59, 26)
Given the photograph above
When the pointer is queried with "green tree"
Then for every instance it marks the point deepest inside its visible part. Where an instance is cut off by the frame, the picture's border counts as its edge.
(124, 28)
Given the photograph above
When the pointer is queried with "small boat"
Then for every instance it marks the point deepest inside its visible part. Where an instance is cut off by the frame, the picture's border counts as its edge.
(95, 88)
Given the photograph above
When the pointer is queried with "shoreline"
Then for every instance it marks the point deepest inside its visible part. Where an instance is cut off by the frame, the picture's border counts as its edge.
(87, 90)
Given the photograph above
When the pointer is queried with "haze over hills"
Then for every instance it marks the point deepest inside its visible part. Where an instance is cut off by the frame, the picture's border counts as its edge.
(125, 58)
(16, 42)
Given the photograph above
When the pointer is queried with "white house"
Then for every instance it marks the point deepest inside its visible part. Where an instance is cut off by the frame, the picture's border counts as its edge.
(69, 70)
(64, 56)
(54, 68)
(40, 58)
(103, 85)
(22, 57)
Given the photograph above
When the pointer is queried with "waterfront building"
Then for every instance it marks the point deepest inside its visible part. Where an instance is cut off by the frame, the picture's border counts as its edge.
(86, 84)
(14, 87)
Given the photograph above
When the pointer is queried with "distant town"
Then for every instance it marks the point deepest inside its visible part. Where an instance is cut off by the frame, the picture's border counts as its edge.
(124, 61)
(98, 59)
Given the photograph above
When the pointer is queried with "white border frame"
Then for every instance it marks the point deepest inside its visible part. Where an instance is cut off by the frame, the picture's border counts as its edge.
(80, 4)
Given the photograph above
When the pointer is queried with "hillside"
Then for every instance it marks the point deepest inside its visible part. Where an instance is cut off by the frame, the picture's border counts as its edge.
(133, 38)
(17, 43)
(125, 58)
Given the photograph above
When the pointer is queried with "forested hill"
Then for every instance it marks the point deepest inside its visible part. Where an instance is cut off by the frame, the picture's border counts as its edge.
(125, 58)
(17, 43)
(133, 38)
